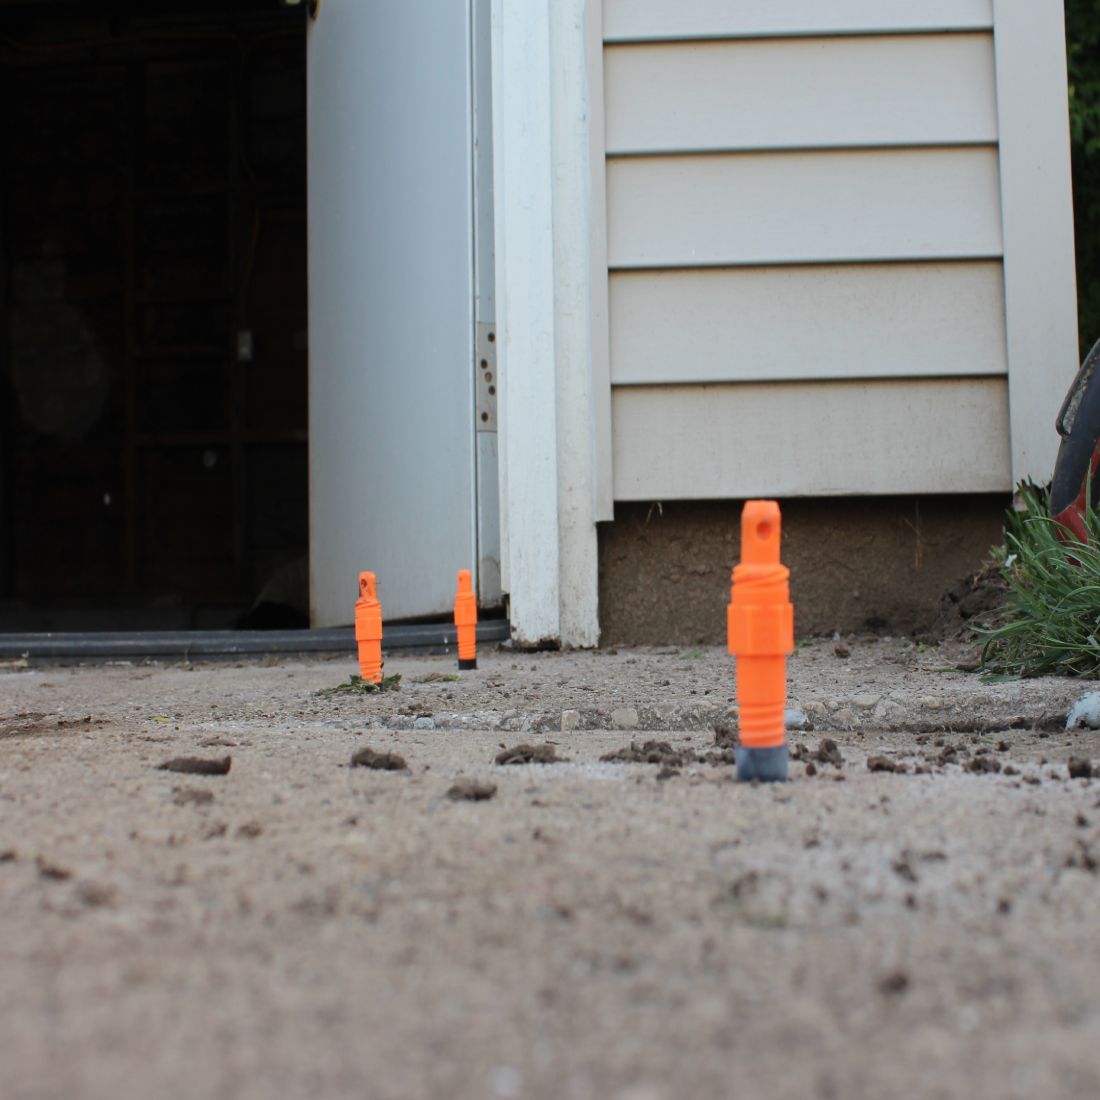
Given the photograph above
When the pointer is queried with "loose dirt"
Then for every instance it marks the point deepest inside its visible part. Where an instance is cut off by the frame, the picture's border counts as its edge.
(198, 765)
(470, 790)
(529, 754)
(591, 929)
(380, 761)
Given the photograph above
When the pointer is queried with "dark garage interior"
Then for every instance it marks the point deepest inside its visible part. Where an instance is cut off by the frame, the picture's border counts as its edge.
(153, 336)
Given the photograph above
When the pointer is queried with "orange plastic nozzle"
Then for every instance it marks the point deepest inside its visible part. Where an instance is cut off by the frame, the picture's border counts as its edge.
(761, 627)
(466, 620)
(368, 629)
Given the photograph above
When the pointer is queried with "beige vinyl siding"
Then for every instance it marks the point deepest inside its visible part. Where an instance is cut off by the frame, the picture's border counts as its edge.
(813, 207)
(804, 249)
(765, 94)
(795, 322)
(642, 20)
(819, 438)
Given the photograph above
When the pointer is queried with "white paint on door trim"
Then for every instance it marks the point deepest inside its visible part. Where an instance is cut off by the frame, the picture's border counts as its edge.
(543, 215)
(1037, 213)
(527, 394)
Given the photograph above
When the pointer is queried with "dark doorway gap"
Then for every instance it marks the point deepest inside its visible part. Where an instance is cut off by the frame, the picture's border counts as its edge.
(153, 344)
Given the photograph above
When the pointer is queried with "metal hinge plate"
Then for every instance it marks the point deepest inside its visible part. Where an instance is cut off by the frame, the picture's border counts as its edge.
(485, 371)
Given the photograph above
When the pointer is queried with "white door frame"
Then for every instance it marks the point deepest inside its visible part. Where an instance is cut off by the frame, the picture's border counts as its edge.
(545, 217)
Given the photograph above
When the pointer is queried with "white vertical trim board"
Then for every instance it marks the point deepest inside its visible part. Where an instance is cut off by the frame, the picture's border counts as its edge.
(1036, 200)
(597, 263)
(641, 20)
(573, 327)
(527, 395)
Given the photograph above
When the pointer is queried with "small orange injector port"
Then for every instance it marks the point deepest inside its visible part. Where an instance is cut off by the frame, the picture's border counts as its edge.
(368, 630)
(761, 636)
(466, 621)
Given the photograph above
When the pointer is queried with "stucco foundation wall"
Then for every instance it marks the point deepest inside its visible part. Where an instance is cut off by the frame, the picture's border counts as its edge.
(856, 564)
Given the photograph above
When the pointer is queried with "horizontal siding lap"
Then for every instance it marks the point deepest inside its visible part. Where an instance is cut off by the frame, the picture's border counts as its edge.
(640, 20)
(811, 439)
(798, 208)
(757, 324)
(812, 93)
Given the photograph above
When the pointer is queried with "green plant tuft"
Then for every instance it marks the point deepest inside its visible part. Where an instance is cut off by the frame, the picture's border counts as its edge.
(356, 685)
(1051, 620)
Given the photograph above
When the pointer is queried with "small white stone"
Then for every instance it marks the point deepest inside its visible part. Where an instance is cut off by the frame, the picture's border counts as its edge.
(795, 720)
(1086, 713)
(506, 1082)
(624, 718)
(425, 723)
(570, 720)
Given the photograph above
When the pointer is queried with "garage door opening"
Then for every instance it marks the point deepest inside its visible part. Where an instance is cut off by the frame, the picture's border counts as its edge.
(153, 330)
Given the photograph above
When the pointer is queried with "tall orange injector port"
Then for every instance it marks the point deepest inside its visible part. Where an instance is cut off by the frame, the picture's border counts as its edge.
(466, 620)
(761, 636)
(368, 630)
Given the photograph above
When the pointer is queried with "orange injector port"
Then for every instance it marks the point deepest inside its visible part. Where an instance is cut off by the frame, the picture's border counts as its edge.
(466, 621)
(761, 636)
(368, 630)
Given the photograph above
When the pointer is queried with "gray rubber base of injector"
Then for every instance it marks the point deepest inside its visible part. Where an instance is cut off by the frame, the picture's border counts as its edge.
(766, 765)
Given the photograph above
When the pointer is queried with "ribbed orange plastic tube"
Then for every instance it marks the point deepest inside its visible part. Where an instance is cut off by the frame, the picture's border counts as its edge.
(760, 627)
(368, 629)
(466, 620)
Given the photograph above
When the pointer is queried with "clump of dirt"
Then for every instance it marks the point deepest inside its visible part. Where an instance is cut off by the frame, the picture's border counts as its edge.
(380, 761)
(949, 754)
(356, 685)
(530, 754)
(827, 752)
(74, 723)
(250, 830)
(1083, 859)
(971, 601)
(97, 895)
(197, 765)
(894, 983)
(884, 764)
(651, 752)
(983, 765)
(192, 796)
(903, 868)
(52, 871)
(1079, 767)
(725, 737)
(471, 790)
(33, 724)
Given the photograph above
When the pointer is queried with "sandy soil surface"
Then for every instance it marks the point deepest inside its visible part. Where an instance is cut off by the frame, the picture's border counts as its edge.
(594, 929)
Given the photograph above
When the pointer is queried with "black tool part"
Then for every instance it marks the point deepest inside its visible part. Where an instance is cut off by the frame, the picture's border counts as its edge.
(763, 765)
(1078, 456)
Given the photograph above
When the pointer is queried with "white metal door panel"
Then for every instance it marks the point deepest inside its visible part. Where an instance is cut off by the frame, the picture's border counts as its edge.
(391, 304)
